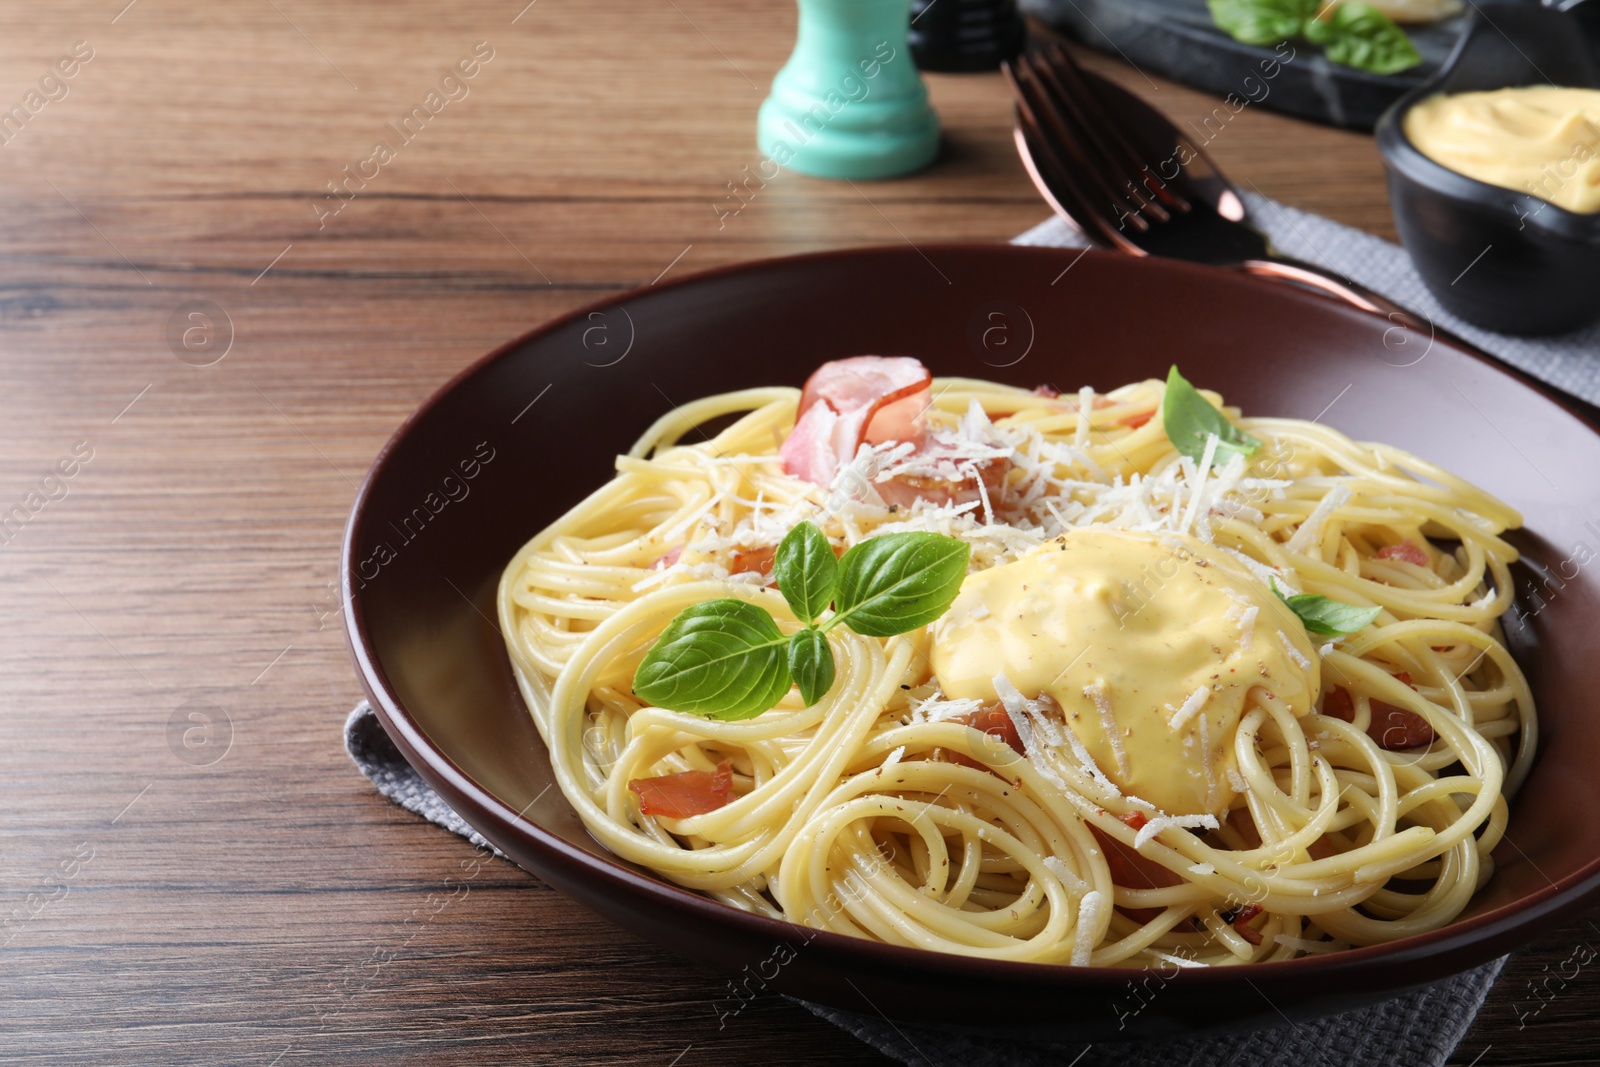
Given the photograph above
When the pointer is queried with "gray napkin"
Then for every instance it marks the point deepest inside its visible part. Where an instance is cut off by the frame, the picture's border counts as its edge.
(1420, 1029)
(1570, 361)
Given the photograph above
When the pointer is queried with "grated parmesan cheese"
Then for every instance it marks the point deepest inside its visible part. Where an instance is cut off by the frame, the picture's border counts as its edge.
(894, 758)
(935, 708)
(1310, 531)
(1097, 695)
(1197, 489)
(1155, 825)
(1057, 867)
(1090, 909)
(1033, 725)
(1294, 653)
(1247, 625)
(1189, 707)
(1266, 574)
(1181, 961)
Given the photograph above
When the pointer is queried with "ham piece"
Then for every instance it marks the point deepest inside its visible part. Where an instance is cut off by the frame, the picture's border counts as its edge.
(848, 402)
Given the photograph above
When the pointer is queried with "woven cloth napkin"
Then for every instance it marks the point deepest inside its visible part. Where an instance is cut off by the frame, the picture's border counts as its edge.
(1419, 1029)
(1570, 361)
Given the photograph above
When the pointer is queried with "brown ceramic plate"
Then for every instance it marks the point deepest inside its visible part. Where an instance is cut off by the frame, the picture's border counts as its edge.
(524, 434)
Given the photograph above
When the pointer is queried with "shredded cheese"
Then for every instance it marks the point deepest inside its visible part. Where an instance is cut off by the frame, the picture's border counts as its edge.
(1156, 825)
(1189, 707)
(1097, 695)
(1089, 912)
(1055, 865)
(1310, 531)
(893, 758)
(1294, 653)
(936, 708)
(1080, 437)
(1247, 625)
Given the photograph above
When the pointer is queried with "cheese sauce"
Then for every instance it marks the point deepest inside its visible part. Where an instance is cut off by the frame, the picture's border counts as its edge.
(1150, 643)
(1540, 139)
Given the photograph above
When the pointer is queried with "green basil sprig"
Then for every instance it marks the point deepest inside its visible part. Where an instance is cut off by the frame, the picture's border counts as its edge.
(1352, 34)
(1189, 419)
(727, 659)
(1361, 36)
(1261, 21)
(1326, 617)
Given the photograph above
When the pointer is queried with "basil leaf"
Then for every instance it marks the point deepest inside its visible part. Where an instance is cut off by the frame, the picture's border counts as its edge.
(1325, 617)
(897, 582)
(807, 572)
(723, 659)
(1189, 419)
(811, 663)
(1359, 35)
(1261, 21)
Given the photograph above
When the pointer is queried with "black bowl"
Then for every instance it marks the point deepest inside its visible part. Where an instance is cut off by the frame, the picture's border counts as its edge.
(1502, 259)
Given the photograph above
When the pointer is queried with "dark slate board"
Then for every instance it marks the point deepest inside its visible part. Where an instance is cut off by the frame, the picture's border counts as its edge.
(1177, 38)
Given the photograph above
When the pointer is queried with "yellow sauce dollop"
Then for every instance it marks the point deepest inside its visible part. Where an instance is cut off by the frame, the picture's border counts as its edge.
(1121, 629)
(1538, 139)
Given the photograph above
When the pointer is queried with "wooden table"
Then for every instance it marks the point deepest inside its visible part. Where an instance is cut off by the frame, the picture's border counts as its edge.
(192, 870)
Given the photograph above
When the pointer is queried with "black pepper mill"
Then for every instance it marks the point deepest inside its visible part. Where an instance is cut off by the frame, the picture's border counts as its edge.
(964, 35)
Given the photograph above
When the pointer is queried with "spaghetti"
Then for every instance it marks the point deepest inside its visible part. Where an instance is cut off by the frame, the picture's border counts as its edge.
(1351, 793)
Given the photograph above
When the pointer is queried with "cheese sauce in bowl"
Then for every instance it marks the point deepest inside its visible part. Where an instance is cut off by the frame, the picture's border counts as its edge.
(1542, 139)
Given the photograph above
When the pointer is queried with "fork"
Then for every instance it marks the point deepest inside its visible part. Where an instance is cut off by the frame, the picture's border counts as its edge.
(1113, 167)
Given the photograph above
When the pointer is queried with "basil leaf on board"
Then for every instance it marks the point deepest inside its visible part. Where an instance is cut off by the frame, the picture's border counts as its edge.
(1189, 419)
(1261, 21)
(725, 659)
(896, 582)
(1326, 617)
(811, 664)
(807, 572)
(1359, 35)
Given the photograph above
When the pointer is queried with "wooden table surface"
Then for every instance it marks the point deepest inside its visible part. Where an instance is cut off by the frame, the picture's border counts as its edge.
(238, 893)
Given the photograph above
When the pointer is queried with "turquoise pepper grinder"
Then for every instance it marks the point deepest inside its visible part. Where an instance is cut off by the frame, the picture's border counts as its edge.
(850, 103)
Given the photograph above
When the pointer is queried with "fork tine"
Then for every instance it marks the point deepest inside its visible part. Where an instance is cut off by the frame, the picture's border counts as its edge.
(1057, 180)
(1056, 128)
(1118, 167)
(1066, 78)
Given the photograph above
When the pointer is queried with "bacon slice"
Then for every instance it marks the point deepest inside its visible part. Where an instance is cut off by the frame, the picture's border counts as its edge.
(1336, 704)
(992, 720)
(906, 489)
(1406, 552)
(1133, 871)
(1392, 728)
(678, 796)
(995, 721)
(753, 560)
(1242, 927)
(1398, 728)
(808, 452)
(848, 401)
